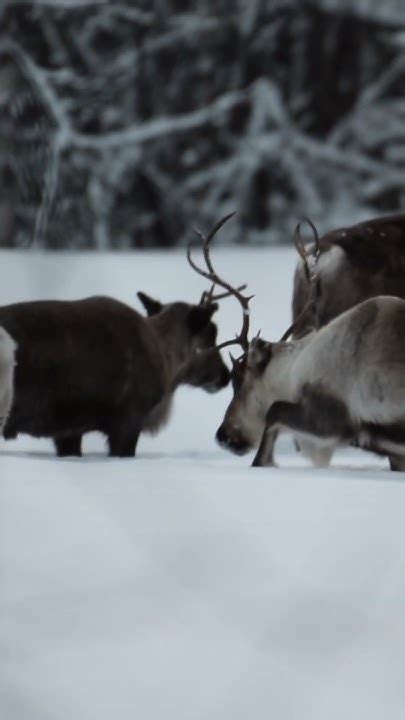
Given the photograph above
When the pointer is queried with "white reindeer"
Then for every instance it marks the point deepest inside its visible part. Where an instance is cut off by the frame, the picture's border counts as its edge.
(341, 385)
(7, 362)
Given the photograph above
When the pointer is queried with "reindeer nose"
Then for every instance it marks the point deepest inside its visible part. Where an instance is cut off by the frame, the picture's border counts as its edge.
(221, 436)
(235, 444)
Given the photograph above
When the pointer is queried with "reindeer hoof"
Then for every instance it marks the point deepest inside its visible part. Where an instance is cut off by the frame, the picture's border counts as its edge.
(258, 462)
(397, 464)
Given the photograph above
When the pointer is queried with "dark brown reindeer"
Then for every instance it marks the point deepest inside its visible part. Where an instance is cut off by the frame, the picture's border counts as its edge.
(340, 385)
(97, 364)
(355, 263)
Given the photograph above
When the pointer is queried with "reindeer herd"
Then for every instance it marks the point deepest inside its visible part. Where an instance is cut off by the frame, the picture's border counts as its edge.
(336, 377)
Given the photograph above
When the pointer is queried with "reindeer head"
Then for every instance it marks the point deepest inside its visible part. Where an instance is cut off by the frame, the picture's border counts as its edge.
(261, 375)
(189, 338)
(253, 391)
(206, 368)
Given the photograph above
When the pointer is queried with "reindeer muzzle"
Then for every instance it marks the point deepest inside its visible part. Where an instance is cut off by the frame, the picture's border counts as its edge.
(213, 386)
(224, 379)
(235, 442)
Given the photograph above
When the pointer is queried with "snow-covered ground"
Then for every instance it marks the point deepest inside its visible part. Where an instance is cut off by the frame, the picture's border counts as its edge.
(184, 585)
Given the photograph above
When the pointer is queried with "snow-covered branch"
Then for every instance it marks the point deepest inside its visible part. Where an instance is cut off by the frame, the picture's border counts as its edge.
(130, 121)
(60, 4)
(43, 88)
(161, 127)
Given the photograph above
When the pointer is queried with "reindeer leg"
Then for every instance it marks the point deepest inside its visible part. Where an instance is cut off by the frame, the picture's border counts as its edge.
(265, 454)
(68, 446)
(318, 417)
(397, 463)
(388, 441)
(122, 445)
(123, 437)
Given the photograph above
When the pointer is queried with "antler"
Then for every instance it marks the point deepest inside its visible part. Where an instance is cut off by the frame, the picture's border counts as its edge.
(304, 253)
(208, 296)
(211, 275)
(310, 274)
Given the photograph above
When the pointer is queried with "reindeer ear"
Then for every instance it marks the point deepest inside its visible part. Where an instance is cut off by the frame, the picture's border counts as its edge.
(267, 353)
(152, 307)
(260, 353)
(199, 317)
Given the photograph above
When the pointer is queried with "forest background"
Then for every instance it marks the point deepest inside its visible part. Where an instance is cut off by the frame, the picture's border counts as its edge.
(123, 124)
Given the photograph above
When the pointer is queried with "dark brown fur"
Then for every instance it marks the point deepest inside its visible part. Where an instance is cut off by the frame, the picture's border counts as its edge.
(373, 264)
(97, 364)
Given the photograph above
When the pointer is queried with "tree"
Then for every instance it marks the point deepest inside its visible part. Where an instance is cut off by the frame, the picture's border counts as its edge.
(126, 123)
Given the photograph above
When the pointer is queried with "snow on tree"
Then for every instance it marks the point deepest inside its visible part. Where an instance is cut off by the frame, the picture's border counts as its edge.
(125, 123)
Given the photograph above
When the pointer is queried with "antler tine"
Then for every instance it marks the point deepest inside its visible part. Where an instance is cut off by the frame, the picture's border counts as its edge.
(310, 274)
(243, 338)
(298, 242)
(207, 296)
(220, 296)
(302, 251)
(195, 267)
(207, 241)
(316, 235)
(211, 274)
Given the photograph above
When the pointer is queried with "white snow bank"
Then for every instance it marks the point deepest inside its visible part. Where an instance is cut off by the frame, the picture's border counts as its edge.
(184, 584)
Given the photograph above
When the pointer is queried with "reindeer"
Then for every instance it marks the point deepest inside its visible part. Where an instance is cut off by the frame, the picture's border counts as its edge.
(338, 385)
(97, 364)
(341, 385)
(354, 263)
(7, 363)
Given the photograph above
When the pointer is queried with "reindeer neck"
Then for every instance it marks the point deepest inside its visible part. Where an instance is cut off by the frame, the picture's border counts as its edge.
(282, 363)
(295, 347)
(175, 352)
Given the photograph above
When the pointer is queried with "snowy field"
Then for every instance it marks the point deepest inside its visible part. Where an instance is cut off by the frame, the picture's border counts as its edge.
(184, 585)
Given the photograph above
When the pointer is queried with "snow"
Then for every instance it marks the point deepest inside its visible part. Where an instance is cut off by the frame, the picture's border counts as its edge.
(185, 584)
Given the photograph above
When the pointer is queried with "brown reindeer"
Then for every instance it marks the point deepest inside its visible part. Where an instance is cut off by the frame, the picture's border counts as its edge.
(97, 364)
(354, 263)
